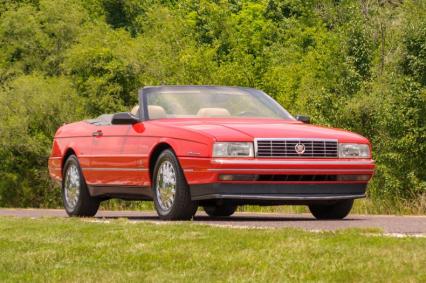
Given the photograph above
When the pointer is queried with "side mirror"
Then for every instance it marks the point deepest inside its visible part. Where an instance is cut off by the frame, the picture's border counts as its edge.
(304, 119)
(124, 118)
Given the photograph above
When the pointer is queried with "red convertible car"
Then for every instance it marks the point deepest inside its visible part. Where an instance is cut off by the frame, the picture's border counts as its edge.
(210, 146)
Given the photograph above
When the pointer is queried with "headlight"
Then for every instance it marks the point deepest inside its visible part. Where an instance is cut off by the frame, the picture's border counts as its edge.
(354, 150)
(233, 149)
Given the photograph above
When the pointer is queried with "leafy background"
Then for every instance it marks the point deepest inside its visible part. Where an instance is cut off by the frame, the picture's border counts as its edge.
(358, 65)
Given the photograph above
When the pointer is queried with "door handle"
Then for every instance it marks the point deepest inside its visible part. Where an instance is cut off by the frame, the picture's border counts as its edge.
(98, 133)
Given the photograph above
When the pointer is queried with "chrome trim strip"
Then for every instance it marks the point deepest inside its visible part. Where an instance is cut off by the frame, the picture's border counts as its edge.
(290, 162)
(113, 169)
(115, 156)
(290, 169)
(295, 139)
(179, 91)
(277, 197)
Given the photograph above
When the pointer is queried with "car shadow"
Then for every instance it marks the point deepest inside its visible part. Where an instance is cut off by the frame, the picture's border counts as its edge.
(271, 218)
(235, 218)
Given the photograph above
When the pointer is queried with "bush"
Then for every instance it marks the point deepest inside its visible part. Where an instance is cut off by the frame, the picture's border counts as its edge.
(31, 109)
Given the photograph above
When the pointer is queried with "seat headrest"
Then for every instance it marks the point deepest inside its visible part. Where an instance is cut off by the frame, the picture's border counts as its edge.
(135, 110)
(156, 112)
(213, 112)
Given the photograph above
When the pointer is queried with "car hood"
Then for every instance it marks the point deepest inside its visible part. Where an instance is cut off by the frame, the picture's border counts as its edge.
(249, 129)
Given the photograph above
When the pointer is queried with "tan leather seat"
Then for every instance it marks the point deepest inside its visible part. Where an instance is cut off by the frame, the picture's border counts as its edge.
(156, 112)
(213, 112)
(135, 110)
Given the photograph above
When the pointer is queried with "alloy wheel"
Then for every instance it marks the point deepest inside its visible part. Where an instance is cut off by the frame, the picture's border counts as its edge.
(72, 187)
(165, 186)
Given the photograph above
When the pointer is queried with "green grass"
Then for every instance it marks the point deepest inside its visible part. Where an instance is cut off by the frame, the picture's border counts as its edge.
(74, 250)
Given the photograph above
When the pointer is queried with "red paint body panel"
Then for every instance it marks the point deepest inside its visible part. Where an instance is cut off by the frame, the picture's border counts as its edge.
(206, 170)
(121, 154)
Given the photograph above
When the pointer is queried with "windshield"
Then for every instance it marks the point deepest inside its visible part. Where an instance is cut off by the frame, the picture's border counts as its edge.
(187, 102)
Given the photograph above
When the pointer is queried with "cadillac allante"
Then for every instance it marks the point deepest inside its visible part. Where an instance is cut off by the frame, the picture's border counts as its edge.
(210, 146)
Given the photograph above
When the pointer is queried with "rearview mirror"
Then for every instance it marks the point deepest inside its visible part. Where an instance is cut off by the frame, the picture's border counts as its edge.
(124, 118)
(304, 119)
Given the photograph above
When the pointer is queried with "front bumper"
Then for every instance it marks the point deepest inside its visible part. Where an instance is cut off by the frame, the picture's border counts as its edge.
(203, 174)
(285, 193)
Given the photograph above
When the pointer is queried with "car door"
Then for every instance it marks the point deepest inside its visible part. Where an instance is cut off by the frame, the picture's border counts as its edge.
(117, 156)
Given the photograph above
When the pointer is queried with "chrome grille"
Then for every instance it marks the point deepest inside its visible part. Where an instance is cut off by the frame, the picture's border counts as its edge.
(286, 148)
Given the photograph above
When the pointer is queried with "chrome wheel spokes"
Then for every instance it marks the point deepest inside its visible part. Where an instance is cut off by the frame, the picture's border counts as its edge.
(165, 186)
(72, 186)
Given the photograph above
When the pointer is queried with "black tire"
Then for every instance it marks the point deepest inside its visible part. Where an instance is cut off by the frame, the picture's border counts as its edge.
(86, 206)
(182, 207)
(338, 210)
(220, 210)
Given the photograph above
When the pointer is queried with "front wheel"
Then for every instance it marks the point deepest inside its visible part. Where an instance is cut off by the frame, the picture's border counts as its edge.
(338, 210)
(172, 198)
(75, 195)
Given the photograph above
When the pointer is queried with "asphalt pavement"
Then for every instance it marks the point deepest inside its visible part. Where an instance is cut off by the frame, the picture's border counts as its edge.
(389, 224)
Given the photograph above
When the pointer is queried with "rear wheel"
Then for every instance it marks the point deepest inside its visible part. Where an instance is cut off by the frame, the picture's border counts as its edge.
(171, 193)
(220, 210)
(338, 210)
(75, 195)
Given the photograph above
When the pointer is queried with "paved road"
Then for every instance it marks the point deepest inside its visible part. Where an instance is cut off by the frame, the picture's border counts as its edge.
(412, 225)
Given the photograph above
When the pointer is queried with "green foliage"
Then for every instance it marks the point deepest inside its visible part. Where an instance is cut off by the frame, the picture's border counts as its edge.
(31, 109)
(359, 65)
(414, 43)
(104, 67)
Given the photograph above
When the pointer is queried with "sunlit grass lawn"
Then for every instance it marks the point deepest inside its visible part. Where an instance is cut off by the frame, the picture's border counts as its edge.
(53, 249)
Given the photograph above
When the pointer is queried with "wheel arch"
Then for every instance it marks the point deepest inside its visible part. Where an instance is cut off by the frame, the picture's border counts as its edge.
(70, 151)
(155, 153)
